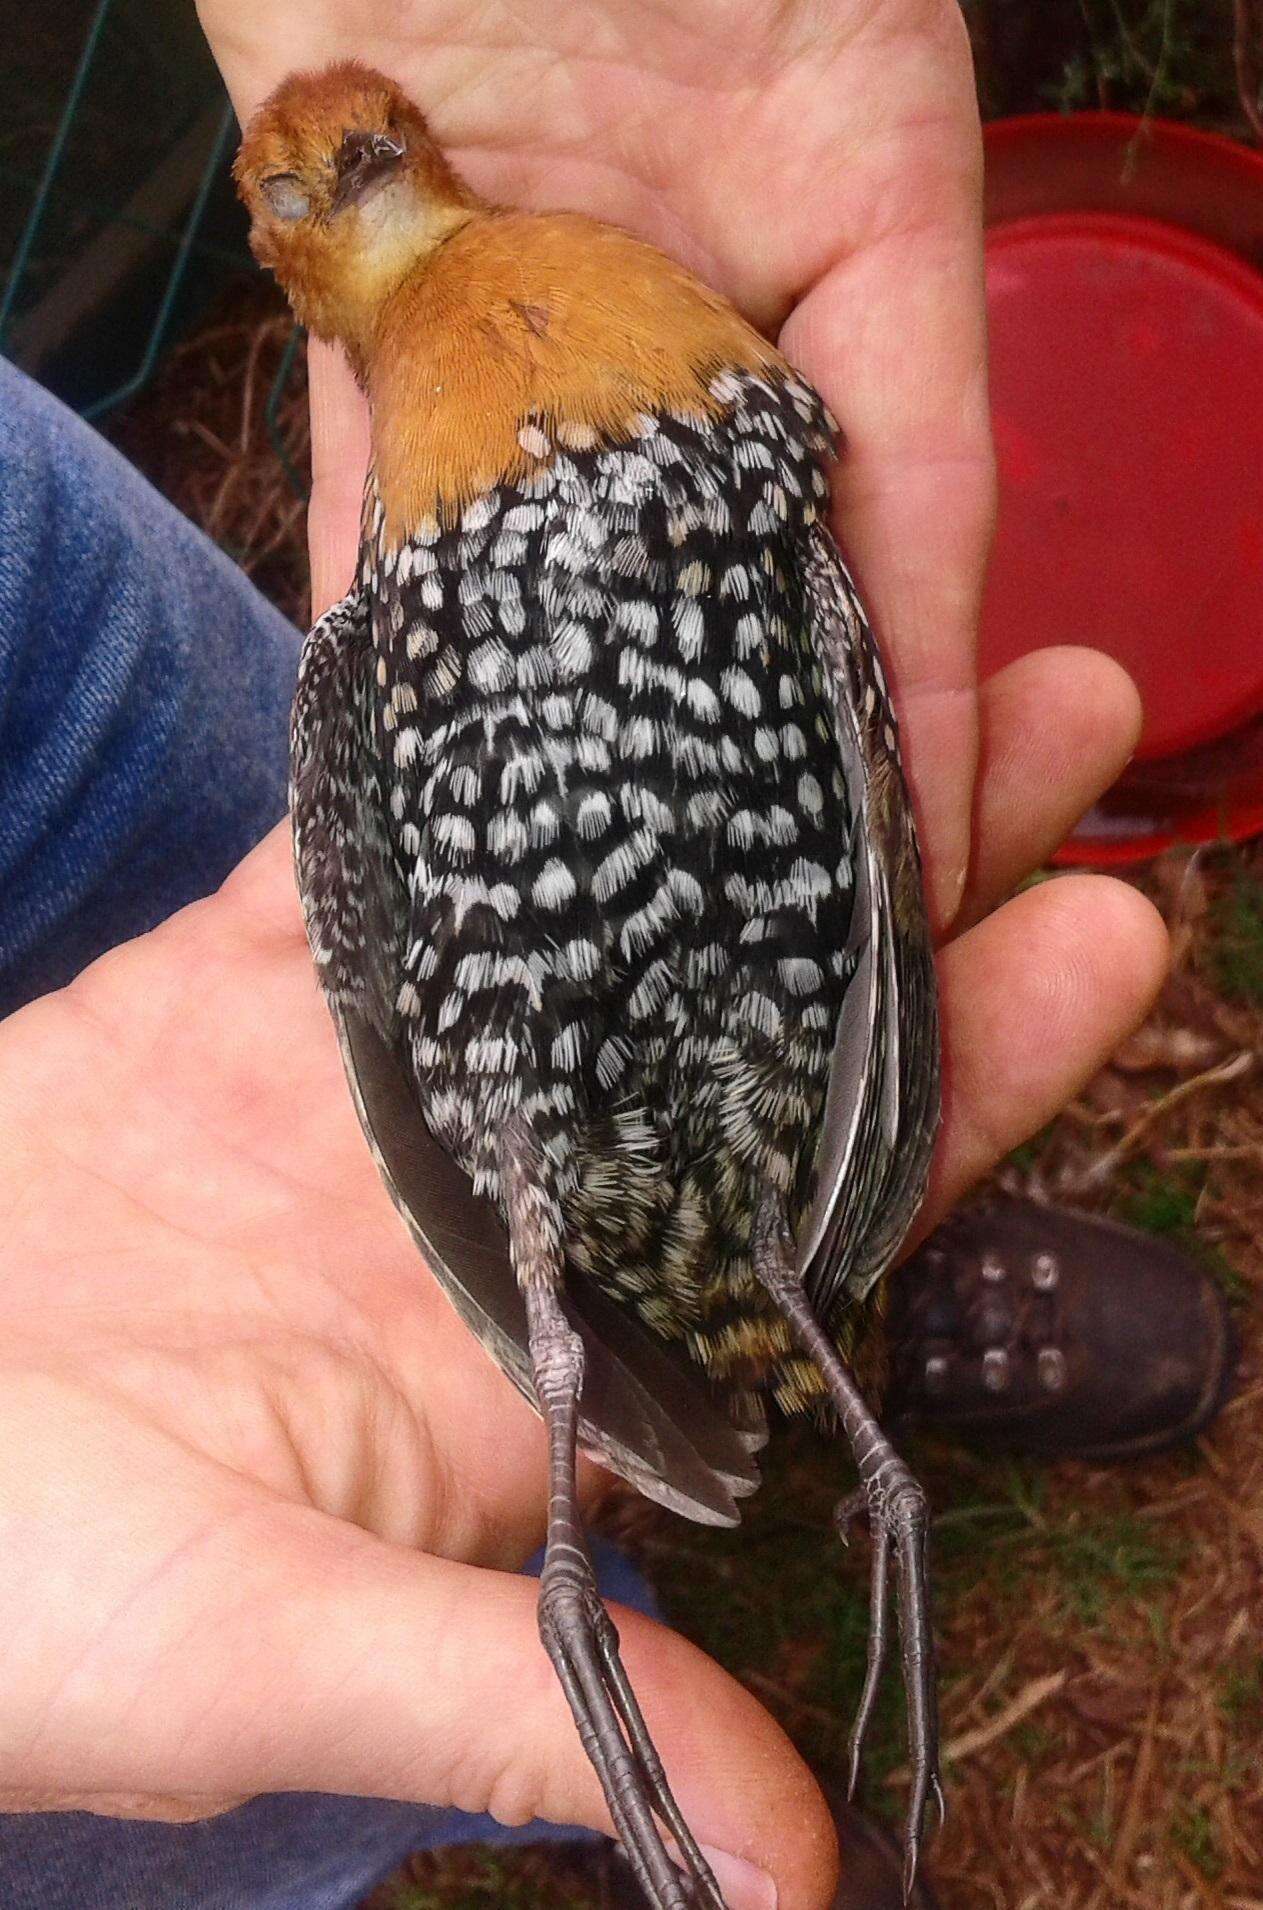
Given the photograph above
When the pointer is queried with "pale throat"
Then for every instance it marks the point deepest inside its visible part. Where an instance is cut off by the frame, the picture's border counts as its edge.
(396, 230)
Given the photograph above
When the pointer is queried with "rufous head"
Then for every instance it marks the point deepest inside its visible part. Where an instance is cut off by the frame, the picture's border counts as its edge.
(346, 192)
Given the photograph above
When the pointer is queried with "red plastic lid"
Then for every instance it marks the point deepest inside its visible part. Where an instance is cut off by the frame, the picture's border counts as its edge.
(1127, 395)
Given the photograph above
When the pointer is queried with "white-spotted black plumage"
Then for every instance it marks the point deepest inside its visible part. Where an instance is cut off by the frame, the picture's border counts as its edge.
(586, 846)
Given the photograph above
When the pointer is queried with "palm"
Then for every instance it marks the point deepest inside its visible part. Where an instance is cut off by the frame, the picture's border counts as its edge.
(221, 1359)
(237, 1227)
(749, 135)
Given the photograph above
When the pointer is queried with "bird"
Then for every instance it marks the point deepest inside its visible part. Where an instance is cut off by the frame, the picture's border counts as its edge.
(608, 867)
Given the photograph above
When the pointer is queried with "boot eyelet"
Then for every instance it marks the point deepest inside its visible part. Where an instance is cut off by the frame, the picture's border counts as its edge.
(1045, 1272)
(995, 1369)
(992, 1270)
(936, 1373)
(1051, 1363)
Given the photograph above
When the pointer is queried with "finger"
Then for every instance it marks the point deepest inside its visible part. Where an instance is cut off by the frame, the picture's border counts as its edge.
(1057, 727)
(339, 461)
(327, 1660)
(894, 338)
(1035, 999)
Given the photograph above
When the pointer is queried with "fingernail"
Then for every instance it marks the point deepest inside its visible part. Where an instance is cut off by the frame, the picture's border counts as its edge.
(948, 889)
(744, 1885)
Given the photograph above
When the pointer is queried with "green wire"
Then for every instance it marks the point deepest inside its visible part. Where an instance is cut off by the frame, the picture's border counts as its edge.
(235, 256)
(157, 330)
(39, 205)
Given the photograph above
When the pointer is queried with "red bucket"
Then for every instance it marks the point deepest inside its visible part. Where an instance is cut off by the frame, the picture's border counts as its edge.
(1125, 294)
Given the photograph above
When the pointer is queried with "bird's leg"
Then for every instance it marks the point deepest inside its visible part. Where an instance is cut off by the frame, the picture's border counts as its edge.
(897, 1513)
(577, 1631)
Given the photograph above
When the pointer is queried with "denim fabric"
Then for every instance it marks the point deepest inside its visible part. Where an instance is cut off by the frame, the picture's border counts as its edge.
(144, 702)
(276, 1853)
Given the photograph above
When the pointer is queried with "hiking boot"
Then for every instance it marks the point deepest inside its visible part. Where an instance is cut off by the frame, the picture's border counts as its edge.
(1038, 1330)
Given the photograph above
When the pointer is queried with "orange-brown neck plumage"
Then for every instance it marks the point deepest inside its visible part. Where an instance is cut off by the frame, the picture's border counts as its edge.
(466, 322)
(519, 316)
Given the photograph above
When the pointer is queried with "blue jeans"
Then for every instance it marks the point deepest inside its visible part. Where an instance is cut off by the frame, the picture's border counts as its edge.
(144, 702)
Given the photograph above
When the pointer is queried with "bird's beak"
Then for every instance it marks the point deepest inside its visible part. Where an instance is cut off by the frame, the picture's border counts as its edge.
(365, 160)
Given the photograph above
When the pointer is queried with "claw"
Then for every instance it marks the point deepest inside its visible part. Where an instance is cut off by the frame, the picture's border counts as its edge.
(911, 1858)
(912, 1837)
(847, 1511)
(878, 1631)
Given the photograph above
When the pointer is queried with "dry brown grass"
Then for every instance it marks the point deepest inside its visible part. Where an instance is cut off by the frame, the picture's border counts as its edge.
(1139, 1780)
(211, 430)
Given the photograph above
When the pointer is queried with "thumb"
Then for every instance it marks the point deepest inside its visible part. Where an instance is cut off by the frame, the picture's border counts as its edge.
(339, 461)
(333, 1661)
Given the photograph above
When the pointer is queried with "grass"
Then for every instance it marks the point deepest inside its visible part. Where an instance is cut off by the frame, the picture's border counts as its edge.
(784, 1605)
(1193, 1832)
(1027, 1154)
(1165, 1201)
(1161, 1201)
(1236, 949)
(493, 1883)
(1100, 1562)
(1035, 1742)
(1087, 1562)
(1241, 1692)
(481, 1879)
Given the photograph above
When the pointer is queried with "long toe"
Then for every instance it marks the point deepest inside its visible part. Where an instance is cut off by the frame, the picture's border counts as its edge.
(878, 1624)
(871, 1879)
(582, 1642)
(905, 1512)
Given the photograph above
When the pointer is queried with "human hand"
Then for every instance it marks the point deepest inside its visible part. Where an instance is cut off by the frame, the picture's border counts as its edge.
(260, 1488)
(262, 1477)
(823, 167)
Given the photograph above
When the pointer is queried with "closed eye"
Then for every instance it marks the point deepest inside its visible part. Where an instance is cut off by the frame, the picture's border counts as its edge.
(284, 193)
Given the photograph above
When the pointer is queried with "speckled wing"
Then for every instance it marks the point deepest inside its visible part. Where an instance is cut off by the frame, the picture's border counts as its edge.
(882, 1103)
(647, 1413)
